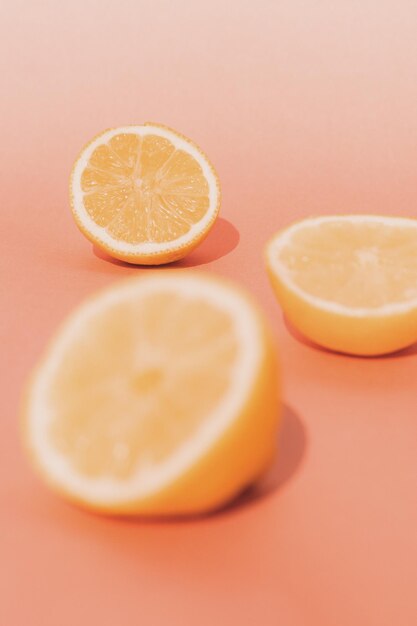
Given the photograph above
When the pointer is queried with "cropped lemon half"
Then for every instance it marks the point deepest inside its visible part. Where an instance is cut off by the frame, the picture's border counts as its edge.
(349, 283)
(144, 194)
(158, 396)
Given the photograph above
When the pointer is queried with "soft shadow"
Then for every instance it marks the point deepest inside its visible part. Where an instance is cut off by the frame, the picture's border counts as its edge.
(291, 447)
(222, 239)
(103, 256)
(410, 351)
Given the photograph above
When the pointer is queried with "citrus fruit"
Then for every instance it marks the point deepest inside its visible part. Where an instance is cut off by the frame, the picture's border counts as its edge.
(144, 194)
(157, 396)
(349, 283)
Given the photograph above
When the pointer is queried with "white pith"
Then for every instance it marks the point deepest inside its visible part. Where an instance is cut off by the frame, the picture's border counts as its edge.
(100, 234)
(151, 479)
(283, 238)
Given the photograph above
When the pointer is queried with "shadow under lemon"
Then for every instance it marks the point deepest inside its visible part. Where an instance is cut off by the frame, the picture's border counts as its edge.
(291, 447)
(222, 239)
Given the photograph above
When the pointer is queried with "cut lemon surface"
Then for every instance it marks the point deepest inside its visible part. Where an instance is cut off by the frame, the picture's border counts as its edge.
(349, 283)
(158, 396)
(144, 194)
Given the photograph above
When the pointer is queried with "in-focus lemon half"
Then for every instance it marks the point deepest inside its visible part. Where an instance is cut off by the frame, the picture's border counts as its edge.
(145, 194)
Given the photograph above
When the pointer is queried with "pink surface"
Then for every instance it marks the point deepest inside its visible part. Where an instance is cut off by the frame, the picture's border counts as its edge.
(304, 108)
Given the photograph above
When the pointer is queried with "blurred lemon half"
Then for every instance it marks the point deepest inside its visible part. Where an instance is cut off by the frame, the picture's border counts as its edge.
(157, 396)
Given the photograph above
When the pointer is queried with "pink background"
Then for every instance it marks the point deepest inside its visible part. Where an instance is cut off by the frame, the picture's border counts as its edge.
(304, 107)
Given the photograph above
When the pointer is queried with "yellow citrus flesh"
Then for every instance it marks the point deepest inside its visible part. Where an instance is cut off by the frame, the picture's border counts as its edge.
(349, 283)
(145, 194)
(158, 396)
